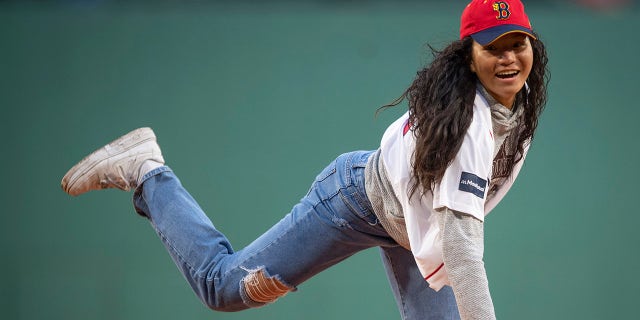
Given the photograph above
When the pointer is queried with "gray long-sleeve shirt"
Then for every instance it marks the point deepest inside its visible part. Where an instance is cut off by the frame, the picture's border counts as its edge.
(462, 234)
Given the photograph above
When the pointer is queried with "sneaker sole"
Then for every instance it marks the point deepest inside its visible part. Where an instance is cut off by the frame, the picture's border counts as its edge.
(110, 150)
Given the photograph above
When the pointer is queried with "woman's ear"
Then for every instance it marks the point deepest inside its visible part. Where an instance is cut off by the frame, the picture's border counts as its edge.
(472, 67)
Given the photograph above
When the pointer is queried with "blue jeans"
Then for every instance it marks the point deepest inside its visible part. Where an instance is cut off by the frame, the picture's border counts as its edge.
(332, 222)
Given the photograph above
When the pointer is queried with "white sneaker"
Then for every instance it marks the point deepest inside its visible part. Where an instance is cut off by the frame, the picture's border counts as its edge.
(116, 165)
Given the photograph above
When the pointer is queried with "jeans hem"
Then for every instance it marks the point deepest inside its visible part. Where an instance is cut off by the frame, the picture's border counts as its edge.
(138, 192)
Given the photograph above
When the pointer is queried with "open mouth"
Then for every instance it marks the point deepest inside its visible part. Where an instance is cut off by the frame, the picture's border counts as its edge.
(507, 74)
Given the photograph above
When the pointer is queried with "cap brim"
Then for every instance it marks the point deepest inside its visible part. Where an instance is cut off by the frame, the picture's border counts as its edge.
(490, 35)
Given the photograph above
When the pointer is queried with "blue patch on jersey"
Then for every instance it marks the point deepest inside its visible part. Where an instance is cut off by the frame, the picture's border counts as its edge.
(469, 182)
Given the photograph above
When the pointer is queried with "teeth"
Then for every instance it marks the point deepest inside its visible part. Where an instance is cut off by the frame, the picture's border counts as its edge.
(507, 73)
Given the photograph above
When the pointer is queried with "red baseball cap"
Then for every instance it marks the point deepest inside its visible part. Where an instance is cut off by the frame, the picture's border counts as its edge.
(487, 20)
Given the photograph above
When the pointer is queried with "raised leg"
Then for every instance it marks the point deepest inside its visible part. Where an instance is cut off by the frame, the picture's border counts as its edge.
(332, 222)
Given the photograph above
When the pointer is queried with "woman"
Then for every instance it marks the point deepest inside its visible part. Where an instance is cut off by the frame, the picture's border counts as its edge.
(421, 197)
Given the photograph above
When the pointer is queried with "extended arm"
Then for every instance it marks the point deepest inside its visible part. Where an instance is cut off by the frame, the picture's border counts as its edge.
(463, 249)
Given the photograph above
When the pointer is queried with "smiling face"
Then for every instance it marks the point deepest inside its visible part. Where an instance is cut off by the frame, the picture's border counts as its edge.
(503, 66)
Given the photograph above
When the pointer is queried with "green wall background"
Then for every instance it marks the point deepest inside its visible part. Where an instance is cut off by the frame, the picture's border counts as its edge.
(249, 101)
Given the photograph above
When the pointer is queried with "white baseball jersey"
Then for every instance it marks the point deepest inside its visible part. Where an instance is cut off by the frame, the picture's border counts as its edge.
(463, 187)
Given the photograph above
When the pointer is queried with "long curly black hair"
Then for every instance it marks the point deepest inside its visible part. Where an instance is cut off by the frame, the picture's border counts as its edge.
(441, 101)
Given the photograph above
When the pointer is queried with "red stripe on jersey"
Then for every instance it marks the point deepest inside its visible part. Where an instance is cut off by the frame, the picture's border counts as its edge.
(434, 272)
(407, 127)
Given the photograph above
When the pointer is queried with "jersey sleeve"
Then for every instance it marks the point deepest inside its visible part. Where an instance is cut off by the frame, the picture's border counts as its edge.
(464, 185)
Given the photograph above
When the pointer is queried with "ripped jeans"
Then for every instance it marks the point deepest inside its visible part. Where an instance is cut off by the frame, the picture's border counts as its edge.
(329, 224)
